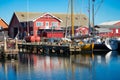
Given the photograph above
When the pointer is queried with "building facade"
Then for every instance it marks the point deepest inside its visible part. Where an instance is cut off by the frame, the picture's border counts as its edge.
(3, 29)
(113, 27)
(38, 25)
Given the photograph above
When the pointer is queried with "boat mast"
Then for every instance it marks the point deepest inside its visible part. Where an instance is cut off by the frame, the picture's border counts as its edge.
(89, 16)
(72, 18)
(93, 16)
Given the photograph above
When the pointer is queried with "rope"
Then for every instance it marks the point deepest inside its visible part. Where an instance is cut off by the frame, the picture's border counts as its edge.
(67, 16)
(98, 7)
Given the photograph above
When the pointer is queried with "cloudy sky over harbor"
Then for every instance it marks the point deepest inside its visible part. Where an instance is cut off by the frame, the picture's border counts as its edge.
(105, 10)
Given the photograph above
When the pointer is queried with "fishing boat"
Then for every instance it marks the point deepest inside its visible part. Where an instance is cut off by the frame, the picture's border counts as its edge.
(84, 46)
(87, 47)
(108, 44)
(118, 39)
(112, 44)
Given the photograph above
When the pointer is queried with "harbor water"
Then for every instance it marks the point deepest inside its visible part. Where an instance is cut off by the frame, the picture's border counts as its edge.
(82, 66)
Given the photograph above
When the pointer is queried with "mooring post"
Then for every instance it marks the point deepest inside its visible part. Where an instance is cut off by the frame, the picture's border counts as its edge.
(5, 44)
(16, 44)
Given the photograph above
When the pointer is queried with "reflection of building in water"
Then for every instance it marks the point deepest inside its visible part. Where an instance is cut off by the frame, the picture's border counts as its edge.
(71, 68)
(81, 60)
(49, 63)
(10, 68)
(81, 63)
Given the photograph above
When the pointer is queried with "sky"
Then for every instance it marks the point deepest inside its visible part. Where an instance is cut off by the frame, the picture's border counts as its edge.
(105, 10)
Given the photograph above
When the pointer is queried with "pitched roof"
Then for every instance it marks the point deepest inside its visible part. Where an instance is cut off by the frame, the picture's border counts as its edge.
(102, 30)
(108, 26)
(3, 24)
(110, 22)
(27, 16)
(79, 19)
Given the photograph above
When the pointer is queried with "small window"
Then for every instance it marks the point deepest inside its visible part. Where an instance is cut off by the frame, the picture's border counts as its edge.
(23, 24)
(38, 24)
(38, 32)
(54, 24)
(31, 32)
(116, 30)
(47, 23)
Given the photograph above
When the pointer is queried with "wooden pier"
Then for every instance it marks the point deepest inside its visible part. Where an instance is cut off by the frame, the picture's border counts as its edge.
(44, 48)
(47, 48)
(11, 52)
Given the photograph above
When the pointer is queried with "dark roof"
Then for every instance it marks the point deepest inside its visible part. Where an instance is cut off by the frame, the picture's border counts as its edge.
(107, 26)
(49, 30)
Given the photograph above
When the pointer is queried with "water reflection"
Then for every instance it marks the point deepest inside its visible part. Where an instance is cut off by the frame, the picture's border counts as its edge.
(8, 70)
(84, 66)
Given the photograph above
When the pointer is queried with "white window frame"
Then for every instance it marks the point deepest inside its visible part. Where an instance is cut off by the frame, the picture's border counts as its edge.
(117, 31)
(55, 24)
(47, 26)
(39, 24)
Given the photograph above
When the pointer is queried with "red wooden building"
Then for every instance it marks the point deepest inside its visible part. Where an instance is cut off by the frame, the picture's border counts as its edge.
(111, 29)
(31, 24)
(36, 25)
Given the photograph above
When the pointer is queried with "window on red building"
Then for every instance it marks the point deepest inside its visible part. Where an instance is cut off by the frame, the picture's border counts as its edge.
(116, 30)
(54, 24)
(38, 24)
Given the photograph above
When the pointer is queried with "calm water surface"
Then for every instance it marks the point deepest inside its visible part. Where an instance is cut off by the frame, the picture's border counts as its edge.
(91, 66)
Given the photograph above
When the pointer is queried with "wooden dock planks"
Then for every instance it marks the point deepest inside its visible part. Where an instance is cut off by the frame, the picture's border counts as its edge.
(47, 48)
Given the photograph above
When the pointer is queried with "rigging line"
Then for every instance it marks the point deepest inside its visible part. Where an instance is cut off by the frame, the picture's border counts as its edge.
(81, 6)
(28, 16)
(76, 6)
(89, 25)
(75, 11)
(78, 11)
(27, 9)
(80, 16)
(67, 18)
(98, 7)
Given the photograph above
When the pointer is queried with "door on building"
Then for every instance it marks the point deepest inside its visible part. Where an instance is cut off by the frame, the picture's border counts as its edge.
(15, 32)
(47, 25)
